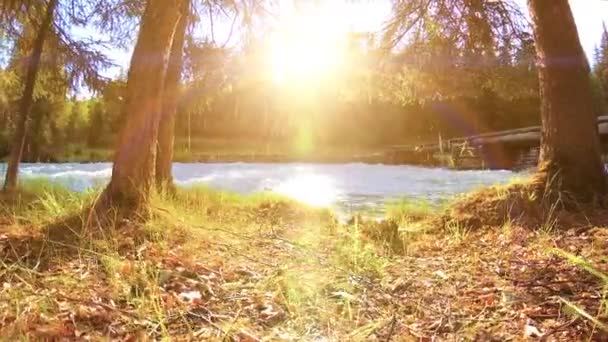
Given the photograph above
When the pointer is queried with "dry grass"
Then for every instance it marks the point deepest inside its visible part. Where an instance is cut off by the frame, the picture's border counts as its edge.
(522, 204)
(215, 266)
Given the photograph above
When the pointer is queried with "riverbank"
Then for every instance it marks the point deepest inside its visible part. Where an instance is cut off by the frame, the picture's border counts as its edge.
(209, 266)
(209, 150)
(333, 157)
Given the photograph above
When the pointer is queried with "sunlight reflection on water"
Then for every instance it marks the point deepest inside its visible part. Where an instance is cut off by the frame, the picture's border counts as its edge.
(346, 188)
(311, 189)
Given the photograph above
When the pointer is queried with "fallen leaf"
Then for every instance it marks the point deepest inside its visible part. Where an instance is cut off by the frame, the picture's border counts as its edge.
(244, 336)
(343, 295)
(531, 331)
(190, 296)
(269, 314)
(441, 275)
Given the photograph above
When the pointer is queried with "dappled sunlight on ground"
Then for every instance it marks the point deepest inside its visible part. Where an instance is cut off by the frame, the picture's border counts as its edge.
(212, 266)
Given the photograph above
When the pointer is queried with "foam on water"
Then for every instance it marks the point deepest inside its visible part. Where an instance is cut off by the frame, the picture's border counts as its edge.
(351, 187)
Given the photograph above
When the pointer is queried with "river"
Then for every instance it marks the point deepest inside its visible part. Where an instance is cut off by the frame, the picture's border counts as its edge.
(346, 187)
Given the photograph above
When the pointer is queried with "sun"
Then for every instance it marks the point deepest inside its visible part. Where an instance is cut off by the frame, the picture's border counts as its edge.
(307, 46)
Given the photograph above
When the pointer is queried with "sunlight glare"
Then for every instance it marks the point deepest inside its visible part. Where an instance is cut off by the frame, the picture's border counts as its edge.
(307, 45)
(310, 189)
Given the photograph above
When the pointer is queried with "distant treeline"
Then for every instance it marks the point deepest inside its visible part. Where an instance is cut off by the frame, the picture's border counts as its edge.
(95, 123)
(361, 123)
(366, 103)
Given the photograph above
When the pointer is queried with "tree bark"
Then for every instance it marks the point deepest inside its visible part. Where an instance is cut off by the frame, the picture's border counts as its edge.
(25, 104)
(570, 159)
(134, 162)
(166, 130)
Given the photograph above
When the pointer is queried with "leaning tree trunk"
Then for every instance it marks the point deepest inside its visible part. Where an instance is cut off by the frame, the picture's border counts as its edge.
(570, 159)
(166, 130)
(25, 104)
(134, 162)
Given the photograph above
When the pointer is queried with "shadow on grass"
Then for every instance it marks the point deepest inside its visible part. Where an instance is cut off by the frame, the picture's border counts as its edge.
(50, 224)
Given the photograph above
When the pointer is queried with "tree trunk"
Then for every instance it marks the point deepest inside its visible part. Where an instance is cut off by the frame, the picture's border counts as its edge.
(166, 130)
(25, 104)
(134, 162)
(570, 159)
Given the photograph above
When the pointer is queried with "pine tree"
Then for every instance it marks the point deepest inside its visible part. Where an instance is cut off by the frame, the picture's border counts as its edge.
(74, 124)
(570, 161)
(97, 125)
(171, 95)
(601, 63)
(25, 105)
(46, 24)
(133, 172)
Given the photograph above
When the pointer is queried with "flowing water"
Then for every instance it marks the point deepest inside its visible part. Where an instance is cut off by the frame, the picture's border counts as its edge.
(346, 187)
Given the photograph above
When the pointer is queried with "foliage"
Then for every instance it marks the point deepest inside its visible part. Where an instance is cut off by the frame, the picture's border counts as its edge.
(97, 129)
(373, 108)
(601, 68)
(463, 51)
(362, 104)
(422, 88)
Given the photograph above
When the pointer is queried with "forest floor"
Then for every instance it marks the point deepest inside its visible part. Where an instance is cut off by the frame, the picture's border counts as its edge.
(215, 266)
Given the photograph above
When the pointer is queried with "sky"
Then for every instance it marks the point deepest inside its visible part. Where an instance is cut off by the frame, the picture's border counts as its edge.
(589, 16)
(370, 15)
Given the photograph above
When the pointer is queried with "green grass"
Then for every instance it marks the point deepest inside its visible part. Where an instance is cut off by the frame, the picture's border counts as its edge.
(407, 210)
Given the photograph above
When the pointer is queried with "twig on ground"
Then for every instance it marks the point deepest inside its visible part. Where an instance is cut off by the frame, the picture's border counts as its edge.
(392, 329)
(557, 329)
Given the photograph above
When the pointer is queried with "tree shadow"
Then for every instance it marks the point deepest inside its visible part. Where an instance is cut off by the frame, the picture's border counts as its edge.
(61, 239)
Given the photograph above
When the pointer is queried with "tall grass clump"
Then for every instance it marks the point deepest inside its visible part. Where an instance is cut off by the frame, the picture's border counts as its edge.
(41, 201)
(521, 203)
(410, 210)
(404, 222)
